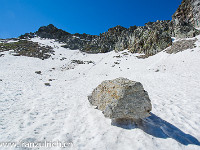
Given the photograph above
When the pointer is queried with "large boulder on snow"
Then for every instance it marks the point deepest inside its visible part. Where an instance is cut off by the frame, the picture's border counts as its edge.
(121, 98)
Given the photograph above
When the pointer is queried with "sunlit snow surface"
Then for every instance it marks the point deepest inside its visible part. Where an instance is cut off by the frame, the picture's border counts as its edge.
(31, 111)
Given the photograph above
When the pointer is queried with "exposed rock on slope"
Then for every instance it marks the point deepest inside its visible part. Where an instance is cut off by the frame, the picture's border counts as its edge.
(149, 39)
(186, 18)
(196, 12)
(181, 46)
(27, 48)
(121, 99)
(72, 41)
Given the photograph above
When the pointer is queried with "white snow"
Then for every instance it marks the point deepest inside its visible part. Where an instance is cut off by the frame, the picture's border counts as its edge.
(31, 111)
(12, 41)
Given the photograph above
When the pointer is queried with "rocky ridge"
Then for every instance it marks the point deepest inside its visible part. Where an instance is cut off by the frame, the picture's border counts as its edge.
(149, 39)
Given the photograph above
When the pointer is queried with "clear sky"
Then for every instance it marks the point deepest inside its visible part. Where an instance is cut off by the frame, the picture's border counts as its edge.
(80, 16)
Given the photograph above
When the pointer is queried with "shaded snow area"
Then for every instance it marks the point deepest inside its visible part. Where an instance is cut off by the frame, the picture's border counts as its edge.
(31, 111)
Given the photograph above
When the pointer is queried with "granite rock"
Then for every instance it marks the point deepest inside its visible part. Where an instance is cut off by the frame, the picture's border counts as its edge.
(121, 98)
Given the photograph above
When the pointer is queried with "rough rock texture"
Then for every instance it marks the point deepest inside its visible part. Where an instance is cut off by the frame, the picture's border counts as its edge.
(186, 19)
(72, 41)
(181, 45)
(149, 39)
(196, 12)
(27, 48)
(121, 98)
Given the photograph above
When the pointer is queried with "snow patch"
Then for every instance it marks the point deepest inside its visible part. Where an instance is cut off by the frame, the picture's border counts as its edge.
(32, 111)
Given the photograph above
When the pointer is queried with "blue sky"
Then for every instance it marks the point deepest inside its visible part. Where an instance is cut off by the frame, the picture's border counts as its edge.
(80, 16)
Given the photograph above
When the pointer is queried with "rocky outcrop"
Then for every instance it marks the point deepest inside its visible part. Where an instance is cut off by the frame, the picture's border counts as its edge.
(27, 48)
(72, 41)
(196, 12)
(106, 41)
(186, 19)
(149, 39)
(181, 45)
(121, 99)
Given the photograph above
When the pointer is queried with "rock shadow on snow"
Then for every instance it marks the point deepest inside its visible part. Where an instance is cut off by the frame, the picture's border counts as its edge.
(159, 128)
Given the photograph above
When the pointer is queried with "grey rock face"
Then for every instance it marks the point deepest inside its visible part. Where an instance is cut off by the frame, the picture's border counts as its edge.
(180, 46)
(186, 19)
(149, 39)
(121, 98)
(196, 12)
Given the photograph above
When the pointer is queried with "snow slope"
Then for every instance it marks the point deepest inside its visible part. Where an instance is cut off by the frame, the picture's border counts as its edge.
(31, 111)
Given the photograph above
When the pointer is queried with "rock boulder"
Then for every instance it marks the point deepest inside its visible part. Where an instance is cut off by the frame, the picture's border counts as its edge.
(121, 98)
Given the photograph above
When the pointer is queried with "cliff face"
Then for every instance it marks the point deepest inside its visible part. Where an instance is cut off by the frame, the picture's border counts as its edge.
(184, 14)
(187, 18)
(149, 39)
(196, 12)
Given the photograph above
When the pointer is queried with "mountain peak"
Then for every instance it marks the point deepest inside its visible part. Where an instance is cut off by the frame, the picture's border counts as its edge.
(52, 32)
(117, 28)
(47, 28)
